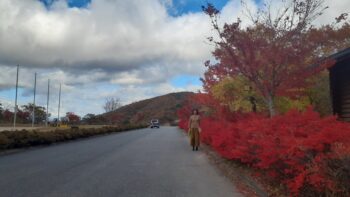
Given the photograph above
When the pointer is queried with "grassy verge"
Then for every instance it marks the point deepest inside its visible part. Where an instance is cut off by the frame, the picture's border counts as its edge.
(28, 138)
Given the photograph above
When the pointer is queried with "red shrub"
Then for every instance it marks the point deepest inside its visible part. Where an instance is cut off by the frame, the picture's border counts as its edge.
(297, 148)
(184, 114)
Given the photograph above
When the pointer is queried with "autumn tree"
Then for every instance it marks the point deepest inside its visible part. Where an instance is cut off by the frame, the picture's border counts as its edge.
(89, 118)
(8, 115)
(23, 116)
(40, 112)
(72, 117)
(112, 104)
(274, 52)
(94, 119)
(114, 118)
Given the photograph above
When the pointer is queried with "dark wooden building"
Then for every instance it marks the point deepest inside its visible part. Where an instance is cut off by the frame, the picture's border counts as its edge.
(340, 84)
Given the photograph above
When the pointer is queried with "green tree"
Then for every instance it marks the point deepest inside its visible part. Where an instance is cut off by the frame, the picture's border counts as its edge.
(40, 113)
(237, 94)
(284, 104)
(89, 118)
(319, 94)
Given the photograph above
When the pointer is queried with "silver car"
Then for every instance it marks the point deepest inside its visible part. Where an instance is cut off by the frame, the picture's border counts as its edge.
(154, 123)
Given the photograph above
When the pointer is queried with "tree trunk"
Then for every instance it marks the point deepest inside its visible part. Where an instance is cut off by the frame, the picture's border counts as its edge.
(271, 106)
(253, 103)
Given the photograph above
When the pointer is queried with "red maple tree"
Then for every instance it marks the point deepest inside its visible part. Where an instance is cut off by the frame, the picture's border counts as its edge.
(274, 54)
(72, 117)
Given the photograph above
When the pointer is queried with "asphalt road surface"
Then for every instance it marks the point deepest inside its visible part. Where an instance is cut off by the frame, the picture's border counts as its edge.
(146, 162)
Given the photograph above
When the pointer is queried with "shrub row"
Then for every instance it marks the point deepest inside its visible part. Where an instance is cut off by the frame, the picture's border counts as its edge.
(27, 138)
(307, 154)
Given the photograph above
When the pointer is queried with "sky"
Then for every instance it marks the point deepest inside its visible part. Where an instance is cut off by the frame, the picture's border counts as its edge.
(97, 49)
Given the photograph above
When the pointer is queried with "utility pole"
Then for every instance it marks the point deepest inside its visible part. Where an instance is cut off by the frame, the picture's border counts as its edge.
(16, 108)
(33, 115)
(47, 104)
(59, 105)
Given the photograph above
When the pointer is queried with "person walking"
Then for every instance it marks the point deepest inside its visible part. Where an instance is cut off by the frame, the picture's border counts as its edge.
(194, 129)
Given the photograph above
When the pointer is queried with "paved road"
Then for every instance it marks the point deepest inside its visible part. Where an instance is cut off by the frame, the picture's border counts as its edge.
(143, 163)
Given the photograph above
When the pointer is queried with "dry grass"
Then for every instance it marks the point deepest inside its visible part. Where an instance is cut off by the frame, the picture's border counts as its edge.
(19, 127)
(27, 138)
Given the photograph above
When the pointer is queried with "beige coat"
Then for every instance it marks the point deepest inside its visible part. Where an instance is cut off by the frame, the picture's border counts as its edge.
(194, 121)
(194, 130)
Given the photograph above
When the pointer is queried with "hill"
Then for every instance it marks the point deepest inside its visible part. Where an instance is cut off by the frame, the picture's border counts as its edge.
(162, 107)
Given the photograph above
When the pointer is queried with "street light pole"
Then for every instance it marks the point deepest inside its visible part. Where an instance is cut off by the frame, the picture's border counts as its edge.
(15, 112)
(59, 106)
(47, 104)
(33, 116)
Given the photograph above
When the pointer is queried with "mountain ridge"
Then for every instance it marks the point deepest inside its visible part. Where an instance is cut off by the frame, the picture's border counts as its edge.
(162, 107)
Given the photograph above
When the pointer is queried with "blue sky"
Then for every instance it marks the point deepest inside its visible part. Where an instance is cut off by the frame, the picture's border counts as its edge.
(71, 3)
(179, 7)
(185, 6)
(185, 80)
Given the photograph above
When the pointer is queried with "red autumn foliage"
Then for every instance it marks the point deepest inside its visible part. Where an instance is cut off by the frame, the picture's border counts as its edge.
(72, 117)
(8, 115)
(24, 115)
(297, 149)
(275, 52)
(308, 154)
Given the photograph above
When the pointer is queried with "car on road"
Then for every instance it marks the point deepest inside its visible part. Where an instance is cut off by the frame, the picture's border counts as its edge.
(154, 123)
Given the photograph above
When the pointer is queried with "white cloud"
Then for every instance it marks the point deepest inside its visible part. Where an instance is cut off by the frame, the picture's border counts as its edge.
(336, 7)
(234, 10)
(128, 49)
(109, 34)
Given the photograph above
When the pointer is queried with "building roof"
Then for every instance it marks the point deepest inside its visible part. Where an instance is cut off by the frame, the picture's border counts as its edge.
(341, 55)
